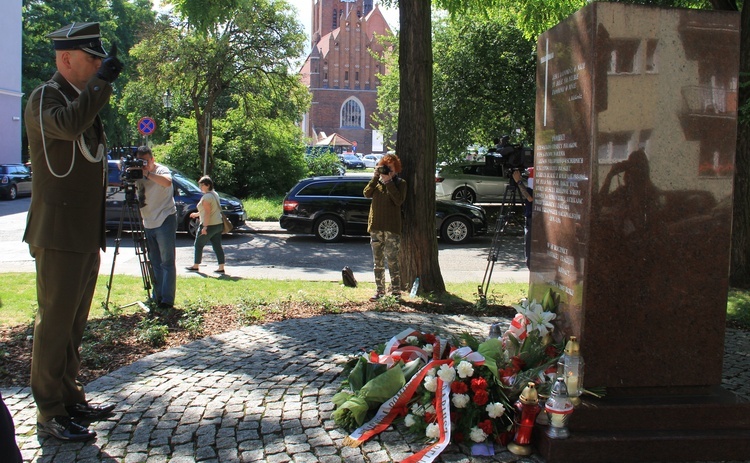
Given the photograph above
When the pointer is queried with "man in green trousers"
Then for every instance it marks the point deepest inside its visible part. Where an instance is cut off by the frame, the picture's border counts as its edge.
(65, 225)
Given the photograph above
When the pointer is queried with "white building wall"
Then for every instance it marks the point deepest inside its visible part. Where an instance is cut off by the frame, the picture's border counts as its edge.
(10, 82)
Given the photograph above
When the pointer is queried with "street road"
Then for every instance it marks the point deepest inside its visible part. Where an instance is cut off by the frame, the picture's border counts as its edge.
(274, 254)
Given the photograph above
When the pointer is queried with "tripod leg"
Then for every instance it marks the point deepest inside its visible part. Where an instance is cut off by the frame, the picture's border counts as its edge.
(118, 239)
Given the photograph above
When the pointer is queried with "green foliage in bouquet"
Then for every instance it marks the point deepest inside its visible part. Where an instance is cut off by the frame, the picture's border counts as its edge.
(368, 386)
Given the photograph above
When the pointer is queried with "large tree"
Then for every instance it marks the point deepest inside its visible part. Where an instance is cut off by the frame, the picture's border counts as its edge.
(221, 49)
(417, 146)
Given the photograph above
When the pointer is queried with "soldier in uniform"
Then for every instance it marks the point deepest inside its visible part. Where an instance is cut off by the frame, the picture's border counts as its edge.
(65, 225)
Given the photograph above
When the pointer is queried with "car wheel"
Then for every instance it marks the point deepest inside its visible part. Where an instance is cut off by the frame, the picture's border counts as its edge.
(329, 229)
(13, 193)
(192, 225)
(456, 230)
(464, 194)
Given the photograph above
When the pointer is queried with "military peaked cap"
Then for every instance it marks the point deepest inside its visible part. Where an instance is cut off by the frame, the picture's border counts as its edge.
(79, 36)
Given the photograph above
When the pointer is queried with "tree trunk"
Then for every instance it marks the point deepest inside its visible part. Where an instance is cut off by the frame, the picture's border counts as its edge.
(204, 136)
(417, 147)
(739, 275)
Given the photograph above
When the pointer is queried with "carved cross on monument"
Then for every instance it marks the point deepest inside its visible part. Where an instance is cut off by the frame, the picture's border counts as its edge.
(545, 60)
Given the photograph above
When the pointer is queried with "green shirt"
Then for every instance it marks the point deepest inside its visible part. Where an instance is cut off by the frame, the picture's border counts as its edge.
(385, 209)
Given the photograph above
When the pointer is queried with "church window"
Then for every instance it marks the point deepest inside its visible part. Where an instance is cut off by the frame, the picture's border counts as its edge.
(346, 75)
(356, 75)
(352, 113)
(335, 18)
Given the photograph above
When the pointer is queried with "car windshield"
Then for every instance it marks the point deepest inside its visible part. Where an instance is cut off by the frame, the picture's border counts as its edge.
(351, 157)
(190, 185)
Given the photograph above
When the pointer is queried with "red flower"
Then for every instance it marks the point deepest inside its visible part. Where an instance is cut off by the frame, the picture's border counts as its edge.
(478, 384)
(396, 358)
(374, 357)
(486, 426)
(481, 397)
(459, 387)
(518, 363)
(430, 338)
(551, 351)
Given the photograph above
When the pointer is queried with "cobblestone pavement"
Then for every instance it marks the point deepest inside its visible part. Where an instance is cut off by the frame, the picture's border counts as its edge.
(262, 394)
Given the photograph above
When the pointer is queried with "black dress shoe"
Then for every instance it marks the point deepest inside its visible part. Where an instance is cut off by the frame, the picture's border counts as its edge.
(88, 412)
(65, 429)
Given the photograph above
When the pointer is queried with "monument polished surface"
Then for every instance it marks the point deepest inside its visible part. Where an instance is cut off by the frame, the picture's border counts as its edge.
(634, 159)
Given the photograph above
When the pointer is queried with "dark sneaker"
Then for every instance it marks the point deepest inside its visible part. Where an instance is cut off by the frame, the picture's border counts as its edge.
(377, 296)
(88, 412)
(65, 429)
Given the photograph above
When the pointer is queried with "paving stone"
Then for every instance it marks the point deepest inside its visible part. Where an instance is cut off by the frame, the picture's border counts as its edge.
(261, 394)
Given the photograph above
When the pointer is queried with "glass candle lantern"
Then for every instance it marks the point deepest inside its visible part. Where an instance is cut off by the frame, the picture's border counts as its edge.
(570, 367)
(527, 408)
(558, 409)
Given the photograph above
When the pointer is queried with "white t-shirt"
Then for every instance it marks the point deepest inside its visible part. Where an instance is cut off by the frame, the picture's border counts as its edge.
(159, 199)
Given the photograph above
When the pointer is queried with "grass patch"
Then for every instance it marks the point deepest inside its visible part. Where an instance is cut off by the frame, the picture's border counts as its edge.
(255, 298)
(264, 209)
(738, 308)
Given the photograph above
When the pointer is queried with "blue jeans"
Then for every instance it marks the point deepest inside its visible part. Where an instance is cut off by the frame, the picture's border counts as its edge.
(161, 253)
(213, 234)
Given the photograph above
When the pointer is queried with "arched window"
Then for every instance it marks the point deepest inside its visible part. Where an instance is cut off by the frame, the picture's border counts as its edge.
(335, 23)
(352, 113)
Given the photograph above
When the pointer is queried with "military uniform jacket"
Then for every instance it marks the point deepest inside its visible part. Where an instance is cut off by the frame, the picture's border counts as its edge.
(68, 190)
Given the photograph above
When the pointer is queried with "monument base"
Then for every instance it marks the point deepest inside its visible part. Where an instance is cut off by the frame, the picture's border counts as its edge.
(679, 426)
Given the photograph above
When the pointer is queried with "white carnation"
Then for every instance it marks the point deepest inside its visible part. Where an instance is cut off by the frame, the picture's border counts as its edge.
(417, 409)
(432, 431)
(430, 383)
(460, 400)
(413, 340)
(465, 369)
(477, 435)
(429, 409)
(409, 420)
(446, 373)
(428, 348)
(432, 372)
(495, 410)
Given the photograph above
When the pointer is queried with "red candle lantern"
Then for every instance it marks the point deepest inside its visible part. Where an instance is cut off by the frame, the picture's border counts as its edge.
(527, 408)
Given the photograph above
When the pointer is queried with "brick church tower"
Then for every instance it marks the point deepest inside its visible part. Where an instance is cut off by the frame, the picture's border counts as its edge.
(340, 70)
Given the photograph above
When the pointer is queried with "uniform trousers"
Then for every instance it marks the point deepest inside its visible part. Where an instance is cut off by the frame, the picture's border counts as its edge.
(65, 283)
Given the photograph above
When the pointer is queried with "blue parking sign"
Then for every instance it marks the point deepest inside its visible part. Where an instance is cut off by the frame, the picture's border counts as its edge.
(146, 126)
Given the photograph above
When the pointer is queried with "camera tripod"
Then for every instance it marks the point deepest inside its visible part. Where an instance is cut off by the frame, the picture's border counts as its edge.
(508, 215)
(131, 210)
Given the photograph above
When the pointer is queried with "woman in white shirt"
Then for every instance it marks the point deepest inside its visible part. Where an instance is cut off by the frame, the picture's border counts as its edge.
(211, 224)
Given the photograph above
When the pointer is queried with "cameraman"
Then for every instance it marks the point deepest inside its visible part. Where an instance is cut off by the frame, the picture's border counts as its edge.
(527, 191)
(156, 200)
(388, 192)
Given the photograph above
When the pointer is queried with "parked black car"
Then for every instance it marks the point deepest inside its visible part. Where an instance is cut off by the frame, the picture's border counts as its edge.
(351, 161)
(186, 197)
(330, 207)
(15, 181)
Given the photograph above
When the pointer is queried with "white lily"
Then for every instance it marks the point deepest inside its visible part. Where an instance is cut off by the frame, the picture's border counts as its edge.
(538, 319)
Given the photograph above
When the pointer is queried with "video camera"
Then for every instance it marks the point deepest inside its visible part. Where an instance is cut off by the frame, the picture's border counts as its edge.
(509, 159)
(131, 168)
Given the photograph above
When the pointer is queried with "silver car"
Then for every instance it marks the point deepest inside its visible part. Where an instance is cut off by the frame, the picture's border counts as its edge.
(471, 182)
